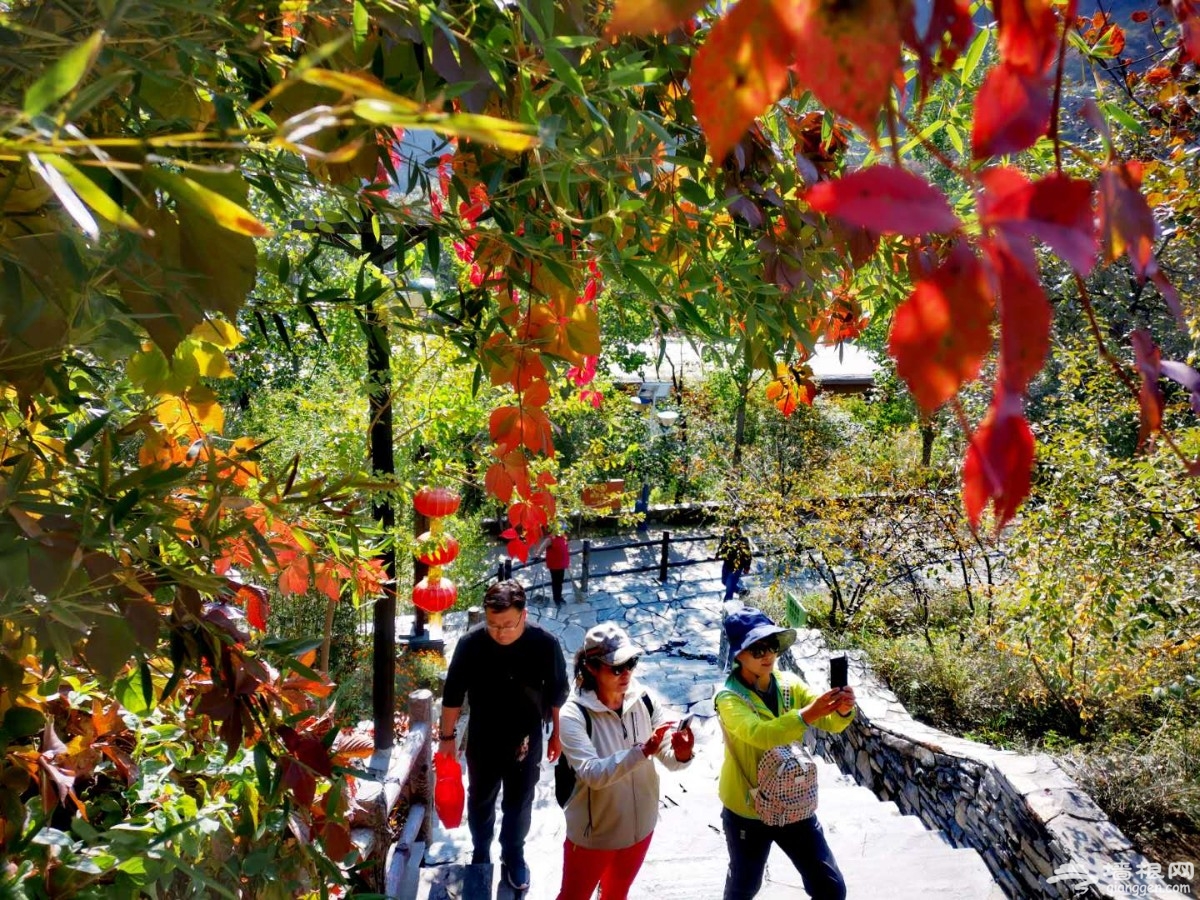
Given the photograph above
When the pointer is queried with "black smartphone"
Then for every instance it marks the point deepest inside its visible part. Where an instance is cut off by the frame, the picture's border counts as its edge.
(685, 722)
(838, 671)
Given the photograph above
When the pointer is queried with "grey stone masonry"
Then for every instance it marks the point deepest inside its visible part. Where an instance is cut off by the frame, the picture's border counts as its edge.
(1038, 832)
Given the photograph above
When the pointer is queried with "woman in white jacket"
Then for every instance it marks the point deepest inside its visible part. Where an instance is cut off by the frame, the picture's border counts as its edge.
(612, 813)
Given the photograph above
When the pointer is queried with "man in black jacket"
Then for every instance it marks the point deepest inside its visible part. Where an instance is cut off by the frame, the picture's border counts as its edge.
(515, 677)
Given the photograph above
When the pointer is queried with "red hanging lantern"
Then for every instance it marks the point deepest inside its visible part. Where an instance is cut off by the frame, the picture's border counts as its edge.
(436, 549)
(434, 503)
(435, 595)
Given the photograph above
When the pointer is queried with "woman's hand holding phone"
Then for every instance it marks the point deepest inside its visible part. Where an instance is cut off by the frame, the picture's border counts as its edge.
(683, 739)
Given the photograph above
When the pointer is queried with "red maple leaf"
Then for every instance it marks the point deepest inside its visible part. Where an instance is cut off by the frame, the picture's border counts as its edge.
(941, 333)
(509, 473)
(1012, 110)
(739, 72)
(999, 462)
(1028, 34)
(847, 54)
(885, 200)
(1024, 312)
(1056, 210)
(1126, 222)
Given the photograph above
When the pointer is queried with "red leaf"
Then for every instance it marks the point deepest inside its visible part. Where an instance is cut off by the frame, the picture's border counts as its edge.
(1024, 313)
(999, 462)
(1056, 210)
(1126, 222)
(1187, 12)
(649, 16)
(738, 73)
(1012, 110)
(308, 749)
(258, 607)
(846, 54)
(1028, 34)
(941, 333)
(885, 200)
(1150, 398)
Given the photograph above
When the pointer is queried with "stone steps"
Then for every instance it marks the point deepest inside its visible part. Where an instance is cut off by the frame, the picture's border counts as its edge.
(882, 853)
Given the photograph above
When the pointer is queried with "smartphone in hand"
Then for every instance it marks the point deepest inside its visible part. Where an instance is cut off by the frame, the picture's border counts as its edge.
(685, 722)
(838, 671)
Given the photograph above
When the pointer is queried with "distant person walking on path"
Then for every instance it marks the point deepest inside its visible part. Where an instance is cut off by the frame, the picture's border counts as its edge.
(735, 555)
(515, 677)
(558, 560)
(760, 709)
(611, 731)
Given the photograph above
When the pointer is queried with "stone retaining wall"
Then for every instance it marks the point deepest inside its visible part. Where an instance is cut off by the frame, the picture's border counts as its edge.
(1040, 834)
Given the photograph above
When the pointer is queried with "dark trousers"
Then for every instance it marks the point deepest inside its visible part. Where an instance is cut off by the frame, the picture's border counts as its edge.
(557, 577)
(487, 777)
(731, 580)
(749, 842)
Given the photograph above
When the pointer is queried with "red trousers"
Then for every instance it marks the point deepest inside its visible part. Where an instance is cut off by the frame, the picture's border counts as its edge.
(613, 870)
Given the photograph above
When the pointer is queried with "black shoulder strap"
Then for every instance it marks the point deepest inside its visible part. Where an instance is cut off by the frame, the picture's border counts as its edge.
(649, 705)
(587, 718)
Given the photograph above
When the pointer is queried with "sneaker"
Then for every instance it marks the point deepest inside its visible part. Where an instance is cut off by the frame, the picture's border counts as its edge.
(517, 876)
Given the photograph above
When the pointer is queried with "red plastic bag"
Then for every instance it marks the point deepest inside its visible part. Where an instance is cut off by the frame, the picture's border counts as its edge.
(448, 794)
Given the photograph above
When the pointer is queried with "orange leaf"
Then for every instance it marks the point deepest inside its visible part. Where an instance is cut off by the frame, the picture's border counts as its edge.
(739, 72)
(845, 53)
(649, 16)
(1150, 396)
(941, 333)
(294, 579)
(1028, 34)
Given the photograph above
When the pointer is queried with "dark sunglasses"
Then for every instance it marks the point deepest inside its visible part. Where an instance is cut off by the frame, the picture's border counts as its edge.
(759, 649)
(624, 667)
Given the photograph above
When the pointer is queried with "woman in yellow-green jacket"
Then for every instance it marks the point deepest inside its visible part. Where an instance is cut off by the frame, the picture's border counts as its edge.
(759, 709)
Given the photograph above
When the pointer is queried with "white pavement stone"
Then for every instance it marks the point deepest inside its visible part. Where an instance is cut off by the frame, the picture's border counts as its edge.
(883, 855)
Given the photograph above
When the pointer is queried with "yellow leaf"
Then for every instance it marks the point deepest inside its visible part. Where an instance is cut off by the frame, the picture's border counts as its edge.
(214, 206)
(219, 332)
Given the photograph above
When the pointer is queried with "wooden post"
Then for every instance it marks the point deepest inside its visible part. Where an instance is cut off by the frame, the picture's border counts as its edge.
(474, 616)
(662, 564)
(583, 575)
(420, 712)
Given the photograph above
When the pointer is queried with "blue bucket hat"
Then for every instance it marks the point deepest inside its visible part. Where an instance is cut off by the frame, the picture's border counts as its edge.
(748, 626)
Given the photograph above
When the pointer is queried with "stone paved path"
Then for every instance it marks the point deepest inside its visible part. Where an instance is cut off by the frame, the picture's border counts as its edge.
(882, 853)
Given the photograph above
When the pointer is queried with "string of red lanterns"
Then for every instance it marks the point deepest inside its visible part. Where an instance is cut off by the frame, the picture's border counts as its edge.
(436, 549)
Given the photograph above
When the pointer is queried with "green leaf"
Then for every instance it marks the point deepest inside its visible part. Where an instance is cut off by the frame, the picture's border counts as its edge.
(1122, 118)
(62, 77)
(86, 432)
(21, 721)
(209, 203)
(131, 695)
(94, 196)
(975, 54)
(362, 24)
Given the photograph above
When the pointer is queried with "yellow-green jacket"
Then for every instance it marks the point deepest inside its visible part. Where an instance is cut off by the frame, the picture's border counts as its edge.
(751, 729)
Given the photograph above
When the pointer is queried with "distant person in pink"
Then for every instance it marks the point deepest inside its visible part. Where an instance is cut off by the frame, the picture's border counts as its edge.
(558, 560)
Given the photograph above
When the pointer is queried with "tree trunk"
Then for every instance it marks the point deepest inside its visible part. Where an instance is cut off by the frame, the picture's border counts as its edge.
(928, 433)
